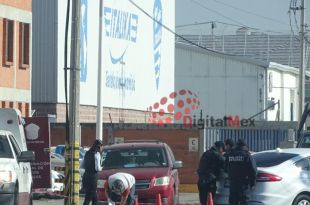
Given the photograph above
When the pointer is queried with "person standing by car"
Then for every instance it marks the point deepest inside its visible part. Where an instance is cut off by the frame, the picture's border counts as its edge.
(120, 187)
(210, 165)
(242, 173)
(91, 164)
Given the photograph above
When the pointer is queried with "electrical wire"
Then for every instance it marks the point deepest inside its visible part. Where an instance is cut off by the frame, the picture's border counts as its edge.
(207, 22)
(249, 12)
(174, 33)
(229, 24)
(66, 85)
(218, 13)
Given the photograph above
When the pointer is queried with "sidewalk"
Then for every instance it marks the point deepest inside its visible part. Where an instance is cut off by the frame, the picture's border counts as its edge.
(188, 198)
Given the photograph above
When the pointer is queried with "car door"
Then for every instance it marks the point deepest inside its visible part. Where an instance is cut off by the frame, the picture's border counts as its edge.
(302, 179)
(22, 171)
(175, 172)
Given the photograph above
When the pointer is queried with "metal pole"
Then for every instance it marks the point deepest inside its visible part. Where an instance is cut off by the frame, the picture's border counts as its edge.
(302, 62)
(75, 102)
(99, 83)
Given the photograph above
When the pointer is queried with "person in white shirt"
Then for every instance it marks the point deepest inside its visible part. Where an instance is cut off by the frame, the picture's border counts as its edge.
(121, 187)
(91, 164)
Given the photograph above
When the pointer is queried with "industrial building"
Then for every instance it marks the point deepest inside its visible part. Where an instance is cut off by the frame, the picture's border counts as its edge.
(231, 85)
(137, 58)
(15, 58)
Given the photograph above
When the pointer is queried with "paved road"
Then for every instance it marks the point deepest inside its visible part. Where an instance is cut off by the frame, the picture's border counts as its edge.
(185, 198)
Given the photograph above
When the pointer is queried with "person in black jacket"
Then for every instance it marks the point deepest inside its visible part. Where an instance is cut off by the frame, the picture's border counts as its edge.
(229, 145)
(242, 173)
(91, 164)
(210, 165)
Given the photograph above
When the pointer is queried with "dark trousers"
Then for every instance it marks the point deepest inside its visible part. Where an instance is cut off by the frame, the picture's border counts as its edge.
(206, 186)
(237, 193)
(90, 187)
(130, 200)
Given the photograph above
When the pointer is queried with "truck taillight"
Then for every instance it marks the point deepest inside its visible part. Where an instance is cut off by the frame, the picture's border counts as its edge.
(267, 177)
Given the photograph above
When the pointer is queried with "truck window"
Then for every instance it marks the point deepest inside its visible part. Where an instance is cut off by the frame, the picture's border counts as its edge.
(5, 148)
(15, 146)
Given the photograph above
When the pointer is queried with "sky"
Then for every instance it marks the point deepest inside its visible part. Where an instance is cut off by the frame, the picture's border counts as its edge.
(262, 15)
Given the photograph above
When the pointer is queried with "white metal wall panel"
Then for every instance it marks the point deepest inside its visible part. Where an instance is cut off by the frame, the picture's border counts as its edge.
(224, 85)
(44, 47)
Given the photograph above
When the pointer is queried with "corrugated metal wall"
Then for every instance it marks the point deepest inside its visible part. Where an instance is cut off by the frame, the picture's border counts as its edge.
(256, 139)
(44, 51)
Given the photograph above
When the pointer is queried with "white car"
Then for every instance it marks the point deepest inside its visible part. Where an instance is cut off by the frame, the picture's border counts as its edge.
(283, 179)
(15, 172)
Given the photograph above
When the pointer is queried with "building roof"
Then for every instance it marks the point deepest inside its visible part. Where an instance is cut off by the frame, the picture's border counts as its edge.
(240, 58)
(282, 49)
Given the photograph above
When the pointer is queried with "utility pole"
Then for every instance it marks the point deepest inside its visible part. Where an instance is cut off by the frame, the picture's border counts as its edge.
(302, 61)
(74, 106)
(212, 33)
(99, 83)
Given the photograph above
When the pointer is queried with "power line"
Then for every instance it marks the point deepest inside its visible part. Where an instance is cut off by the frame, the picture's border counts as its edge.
(249, 12)
(171, 31)
(229, 24)
(218, 13)
(220, 22)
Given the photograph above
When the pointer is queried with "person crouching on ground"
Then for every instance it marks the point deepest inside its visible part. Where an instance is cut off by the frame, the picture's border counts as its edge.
(120, 187)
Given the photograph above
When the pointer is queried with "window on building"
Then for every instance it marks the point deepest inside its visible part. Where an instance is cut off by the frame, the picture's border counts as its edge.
(24, 41)
(8, 41)
(11, 104)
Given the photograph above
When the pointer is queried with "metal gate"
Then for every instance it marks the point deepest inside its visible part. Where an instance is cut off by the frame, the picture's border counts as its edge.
(258, 139)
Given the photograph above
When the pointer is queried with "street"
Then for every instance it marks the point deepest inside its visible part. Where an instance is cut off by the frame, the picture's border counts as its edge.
(185, 198)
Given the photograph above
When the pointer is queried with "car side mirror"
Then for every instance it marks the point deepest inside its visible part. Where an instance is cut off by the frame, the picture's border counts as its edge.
(26, 156)
(177, 164)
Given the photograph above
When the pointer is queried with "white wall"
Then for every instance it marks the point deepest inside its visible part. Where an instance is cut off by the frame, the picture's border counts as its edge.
(224, 85)
(283, 87)
(139, 65)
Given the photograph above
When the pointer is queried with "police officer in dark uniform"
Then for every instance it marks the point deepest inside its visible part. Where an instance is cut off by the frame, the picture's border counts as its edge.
(91, 164)
(242, 173)
(210, 165)
(229, 145)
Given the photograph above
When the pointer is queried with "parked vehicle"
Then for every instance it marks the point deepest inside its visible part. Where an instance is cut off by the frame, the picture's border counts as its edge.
(283, 178)
(15, 169)
(60, 149)
(151, 163)
(15, 175)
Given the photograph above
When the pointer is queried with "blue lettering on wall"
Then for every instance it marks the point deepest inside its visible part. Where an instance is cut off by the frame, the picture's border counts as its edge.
(157, 37)
(83, 41)
(120, 24)
(116, 81)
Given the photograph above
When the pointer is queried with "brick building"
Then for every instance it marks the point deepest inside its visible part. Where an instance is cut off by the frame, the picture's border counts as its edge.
(15, 55)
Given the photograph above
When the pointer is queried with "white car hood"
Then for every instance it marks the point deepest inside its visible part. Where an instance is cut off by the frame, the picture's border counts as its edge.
(7, 164)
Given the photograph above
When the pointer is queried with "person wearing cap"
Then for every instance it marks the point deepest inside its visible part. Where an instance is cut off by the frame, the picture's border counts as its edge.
(241, 172)
(210, 165)
(91, 164)
(120, 187)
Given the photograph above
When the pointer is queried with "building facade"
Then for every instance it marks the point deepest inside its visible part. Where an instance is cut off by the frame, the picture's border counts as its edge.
(15, 55)
(229, 85)
(137, 58)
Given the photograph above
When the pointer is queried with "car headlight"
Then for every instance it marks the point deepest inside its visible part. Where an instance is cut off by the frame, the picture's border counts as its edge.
(6, 176)
(100, 183)
(162, 181)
